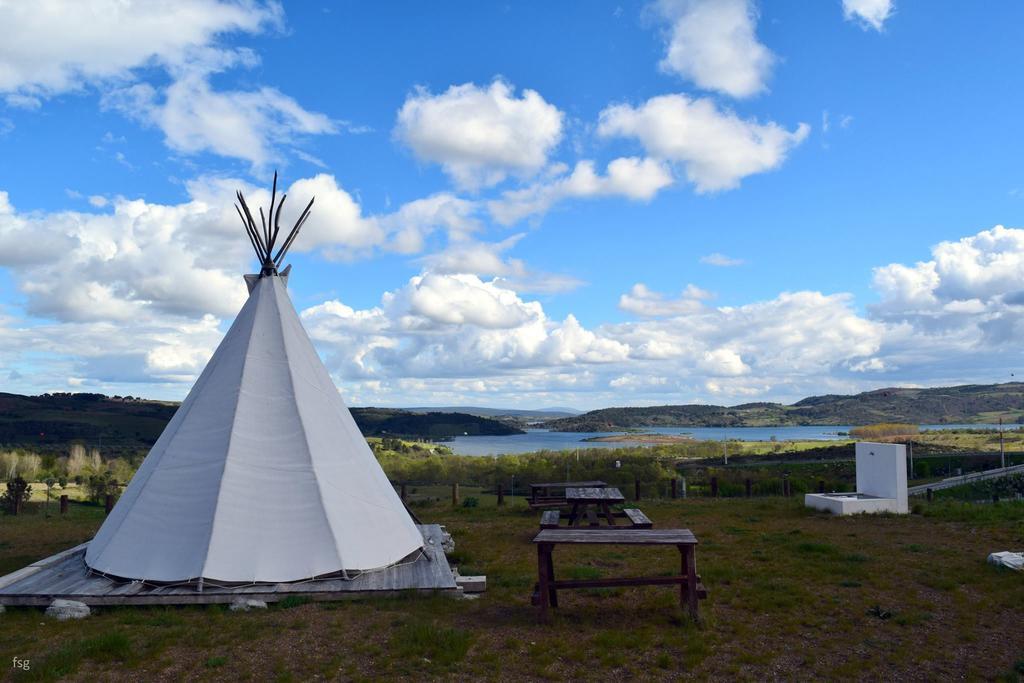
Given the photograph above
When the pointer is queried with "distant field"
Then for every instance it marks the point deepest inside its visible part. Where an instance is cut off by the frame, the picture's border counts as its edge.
(793, 595)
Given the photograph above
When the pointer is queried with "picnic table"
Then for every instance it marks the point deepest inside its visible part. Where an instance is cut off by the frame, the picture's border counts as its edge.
(552, 493)
(589, 500)
(690, 588)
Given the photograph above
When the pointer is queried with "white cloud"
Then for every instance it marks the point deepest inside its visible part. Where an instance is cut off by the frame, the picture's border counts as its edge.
(724, 363)
(643, 302)
(172, 259)
(480, 135)
(55, 47)
(713, 44)
(630, 177)
(869, 13)
(453, 325)
(487, 259)
(457, 326)
(52, 47)
(721, 260)
(414, 221)
(716, 148)
(195, 118)
(972, 285)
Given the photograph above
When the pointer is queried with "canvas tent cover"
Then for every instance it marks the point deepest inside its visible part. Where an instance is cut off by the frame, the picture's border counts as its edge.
(261, 476)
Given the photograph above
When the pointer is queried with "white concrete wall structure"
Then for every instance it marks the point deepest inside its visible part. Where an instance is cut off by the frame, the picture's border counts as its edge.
(881, 483)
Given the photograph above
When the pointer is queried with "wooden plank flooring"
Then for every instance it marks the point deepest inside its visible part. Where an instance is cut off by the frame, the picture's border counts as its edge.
(66, 575)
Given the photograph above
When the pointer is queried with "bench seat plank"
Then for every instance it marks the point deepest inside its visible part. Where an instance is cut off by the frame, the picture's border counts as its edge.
(617, 536)
(638, 519)
(549, 519)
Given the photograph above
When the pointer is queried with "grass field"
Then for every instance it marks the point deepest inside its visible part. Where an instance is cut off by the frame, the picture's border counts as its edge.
(793, 594)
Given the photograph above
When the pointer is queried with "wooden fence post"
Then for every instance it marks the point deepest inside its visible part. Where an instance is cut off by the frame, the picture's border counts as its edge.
(682, 487)
(675, 488)
(749, 485)
(109, 503)
(501, 494)
(403, 492)
(785, 487)
(636, 489)
(928, 494)
(455, 493)
(64, 504)
(821, 486)
(714, 487)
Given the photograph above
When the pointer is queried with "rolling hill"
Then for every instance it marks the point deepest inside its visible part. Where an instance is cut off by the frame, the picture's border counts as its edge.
(127, 425)
(972, 403)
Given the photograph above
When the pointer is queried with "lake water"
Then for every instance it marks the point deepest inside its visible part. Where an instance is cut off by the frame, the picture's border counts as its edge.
(542, 439)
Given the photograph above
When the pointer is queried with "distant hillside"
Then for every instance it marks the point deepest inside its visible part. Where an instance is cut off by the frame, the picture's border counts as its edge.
(127, 425)
(122, 425)
(946, 405)
(434, 425)
(538, 414)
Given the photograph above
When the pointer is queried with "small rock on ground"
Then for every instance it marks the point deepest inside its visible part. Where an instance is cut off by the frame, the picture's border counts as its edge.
(246, 604)
(62, 610)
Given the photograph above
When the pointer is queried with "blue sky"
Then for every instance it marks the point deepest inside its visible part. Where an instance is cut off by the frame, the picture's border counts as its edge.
(521, 204)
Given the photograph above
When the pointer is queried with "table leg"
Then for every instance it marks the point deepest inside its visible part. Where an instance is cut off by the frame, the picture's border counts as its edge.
(551, 577)
(592, 516)
(608, 514)
(574, 517)
(690, 568)
(544, 590)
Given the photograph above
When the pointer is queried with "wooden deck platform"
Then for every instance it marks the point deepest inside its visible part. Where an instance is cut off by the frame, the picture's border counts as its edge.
(65, 575)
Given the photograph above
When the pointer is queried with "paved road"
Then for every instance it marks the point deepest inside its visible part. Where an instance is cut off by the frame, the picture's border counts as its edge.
(965, 479)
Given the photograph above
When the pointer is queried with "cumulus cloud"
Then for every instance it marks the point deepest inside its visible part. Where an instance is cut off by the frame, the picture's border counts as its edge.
(480, 135)
(643, 302)
(443, 328)
(414, 221)
(630, 177)
(195, 118)
(716, 147)
(56, 47)
(176, 259)
(713, 44)
(488, 259)
(971, 286)
(868, 13)
(452, 325)
(52, 47)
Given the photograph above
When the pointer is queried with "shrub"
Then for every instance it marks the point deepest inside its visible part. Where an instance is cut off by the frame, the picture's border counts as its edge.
(18, 493)
(470, 502)
(884, 430)
(97, 486)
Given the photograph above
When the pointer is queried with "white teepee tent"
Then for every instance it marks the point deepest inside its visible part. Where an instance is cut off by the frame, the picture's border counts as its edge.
(262, 475)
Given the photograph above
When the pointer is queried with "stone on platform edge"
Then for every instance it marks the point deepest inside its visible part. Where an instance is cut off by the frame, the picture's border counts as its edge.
(62, 610)
(472, 584)
(246, 604)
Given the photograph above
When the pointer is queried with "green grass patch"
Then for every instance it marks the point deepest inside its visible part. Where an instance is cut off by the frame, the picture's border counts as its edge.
(293, 601)
(431, 644)
(68, 658)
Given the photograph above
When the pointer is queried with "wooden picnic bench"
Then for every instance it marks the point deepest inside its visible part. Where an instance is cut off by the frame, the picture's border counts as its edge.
(690, 588)
(549, 519)
(588, 501)
(552, 494)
